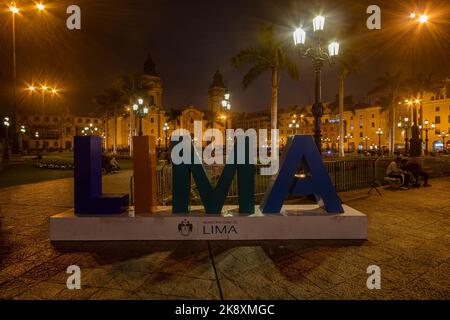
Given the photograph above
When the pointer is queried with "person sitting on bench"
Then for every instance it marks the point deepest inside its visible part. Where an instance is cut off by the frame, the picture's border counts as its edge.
(416, 169)
(394, 170)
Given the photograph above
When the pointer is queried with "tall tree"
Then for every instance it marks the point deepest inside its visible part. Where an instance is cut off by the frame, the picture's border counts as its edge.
(112, 102)
(348, 64)
(174, 117)
(269, 55)
(390, 85)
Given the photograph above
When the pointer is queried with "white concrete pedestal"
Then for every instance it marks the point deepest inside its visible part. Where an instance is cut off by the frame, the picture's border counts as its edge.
(294, 222)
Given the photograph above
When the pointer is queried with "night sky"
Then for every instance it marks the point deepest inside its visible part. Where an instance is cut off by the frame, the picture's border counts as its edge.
(190, 39)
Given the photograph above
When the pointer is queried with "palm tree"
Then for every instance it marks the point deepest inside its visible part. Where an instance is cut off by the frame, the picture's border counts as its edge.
(270, 54)
(111, 101)
(174, 117)
(348, 64)
(390, 84)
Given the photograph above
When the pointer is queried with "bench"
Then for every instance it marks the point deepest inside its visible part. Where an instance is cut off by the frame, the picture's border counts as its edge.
(393, 182)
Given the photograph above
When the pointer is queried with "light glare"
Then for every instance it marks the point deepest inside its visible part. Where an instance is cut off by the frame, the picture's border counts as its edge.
(318, 23)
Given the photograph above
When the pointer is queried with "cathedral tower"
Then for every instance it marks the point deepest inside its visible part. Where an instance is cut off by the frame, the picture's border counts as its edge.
(216, 93)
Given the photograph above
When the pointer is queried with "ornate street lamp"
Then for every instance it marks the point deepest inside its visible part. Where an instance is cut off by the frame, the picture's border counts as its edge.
(166, 129)
(90, 130)
(226, 105)
(294, 125)
(443, 135)
(318, 56)
(141, 111)
(349, 136)
(379, 133)
(6, 123)
(433, 127)
(405, 125)
(366, 139)
(416, 143)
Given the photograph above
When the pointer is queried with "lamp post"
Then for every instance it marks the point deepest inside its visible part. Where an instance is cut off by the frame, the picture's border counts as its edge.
(226, 105)
(366, 139)
(416, 144)
(294, 125)
(415, 148)
(36, 138)
(6, 123)
(443, 135)
(14, 11)
(348, 136)
(379, 133)
(433, 126)
(141, 111)
(90, 130)
(166, 130)
(405, 125)
(318, 56)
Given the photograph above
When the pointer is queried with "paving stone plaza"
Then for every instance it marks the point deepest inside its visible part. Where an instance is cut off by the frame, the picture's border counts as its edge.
(409, 239)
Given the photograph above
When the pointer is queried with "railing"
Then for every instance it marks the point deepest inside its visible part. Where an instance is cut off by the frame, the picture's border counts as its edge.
(346, 175)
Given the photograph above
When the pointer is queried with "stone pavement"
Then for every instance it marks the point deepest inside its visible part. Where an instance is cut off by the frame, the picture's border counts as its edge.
(409, 239)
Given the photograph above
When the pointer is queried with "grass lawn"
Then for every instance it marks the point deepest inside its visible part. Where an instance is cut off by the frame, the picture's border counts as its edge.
(25, 173)
(14, 174)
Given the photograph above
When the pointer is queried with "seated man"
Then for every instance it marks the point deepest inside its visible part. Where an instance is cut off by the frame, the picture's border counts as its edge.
(415, 167)
(394, 170)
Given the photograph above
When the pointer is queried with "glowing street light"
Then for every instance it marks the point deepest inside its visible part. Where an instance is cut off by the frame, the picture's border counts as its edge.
(166, 129)
(141, 111)
(318, 23)
(443, 135)
(319, 56)
(423, 18)
(379, 133)
(299, 36)
(40, 6)
(14, 9)
(433, 126)
(6, 123)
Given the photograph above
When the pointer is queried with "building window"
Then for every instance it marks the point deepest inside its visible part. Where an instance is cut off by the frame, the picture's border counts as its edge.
(47, 119)
(373, 116)
(351, 118)
(437, 120)
(360, 134)
(373, 124)
(88, 120)
(79, 120)
(55, 143)
(95, 121)
(438, 109)
(152, 120)
(37, 118)
(55, 119)
(68, 120)
(152, 131)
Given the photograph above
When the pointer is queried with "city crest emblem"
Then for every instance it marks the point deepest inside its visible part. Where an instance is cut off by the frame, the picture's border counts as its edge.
(185, 228)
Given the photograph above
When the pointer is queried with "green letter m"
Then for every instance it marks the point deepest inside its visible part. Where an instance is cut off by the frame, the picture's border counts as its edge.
(213, 197)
